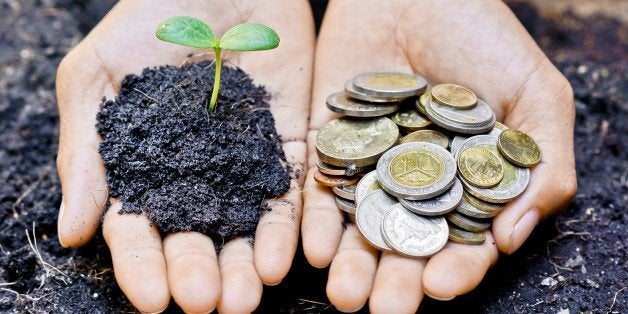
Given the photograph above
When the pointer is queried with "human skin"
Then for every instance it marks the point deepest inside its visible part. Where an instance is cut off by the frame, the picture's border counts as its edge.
(476, 43)
(149, 269)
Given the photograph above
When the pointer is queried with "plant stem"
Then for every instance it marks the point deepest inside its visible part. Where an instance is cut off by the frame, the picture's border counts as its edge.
(212, 102)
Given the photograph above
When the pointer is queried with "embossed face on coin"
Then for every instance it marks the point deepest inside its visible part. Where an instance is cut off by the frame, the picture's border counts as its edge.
(519, 148)
(413, 235)
(429, 136)
(390, 84)
(453, 95)
(348, 141)
(480, 166)
(369, 215)
(416, 171)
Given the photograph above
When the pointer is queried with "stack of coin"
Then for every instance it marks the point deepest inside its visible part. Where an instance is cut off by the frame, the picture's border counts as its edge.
(433, 184)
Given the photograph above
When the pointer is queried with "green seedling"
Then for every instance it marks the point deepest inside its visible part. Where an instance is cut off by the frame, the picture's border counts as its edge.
(188, 31)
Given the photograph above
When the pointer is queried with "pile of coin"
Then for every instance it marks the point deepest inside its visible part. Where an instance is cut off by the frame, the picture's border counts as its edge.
(450, 173)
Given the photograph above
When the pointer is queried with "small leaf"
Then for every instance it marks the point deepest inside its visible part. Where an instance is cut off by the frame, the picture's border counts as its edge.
(187, 31)
(249, 37)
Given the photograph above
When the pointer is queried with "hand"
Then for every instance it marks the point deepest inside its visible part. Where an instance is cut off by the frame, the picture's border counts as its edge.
(478, 44)
(185, 265)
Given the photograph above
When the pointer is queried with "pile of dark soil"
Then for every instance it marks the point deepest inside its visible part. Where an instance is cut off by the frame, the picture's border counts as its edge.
(575, 261)
(187, 169)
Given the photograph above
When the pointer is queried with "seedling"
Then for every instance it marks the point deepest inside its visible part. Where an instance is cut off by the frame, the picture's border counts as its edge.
(188, 31)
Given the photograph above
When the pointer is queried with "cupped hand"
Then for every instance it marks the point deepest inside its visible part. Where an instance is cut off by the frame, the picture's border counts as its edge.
(150, 269)
(478, 44)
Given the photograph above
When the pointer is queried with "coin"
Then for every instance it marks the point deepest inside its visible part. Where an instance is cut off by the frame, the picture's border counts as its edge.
(500, 126)
(454, 96)
(466, 223)
(519, 148)
(429, 136)
(438, 205)
(416, 171)
(465, 237)
(345, 205)
(347, 142)
(390, 84)
(367, 185)
(469, 210)
(410, 119)
(339, 171)
(368, 217)
(480, 167)
(332, 181)
(477, 116)
(455, 126)
(422, 101)
(341, 103)
(353, 93)
(413, 235)
(456, 142)
(482, 205)
(345, 191)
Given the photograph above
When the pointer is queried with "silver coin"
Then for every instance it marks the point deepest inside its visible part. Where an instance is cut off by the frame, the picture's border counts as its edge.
(346, 192)
(339, 171)
(455, 126)
(390, 84)
(471, 211)
(477, 116)
(353, 93)
(465, 237)
(457, 141)
(430, 166)
(369, 215)
(413, 235)
(367, 185)
(343, 104)
(515, 179)
(467, 223)
(438, 205)
(345, 205)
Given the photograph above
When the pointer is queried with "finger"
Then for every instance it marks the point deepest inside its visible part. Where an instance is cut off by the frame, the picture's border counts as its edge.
(193, 274)
(458, 268)
(545, 111)
(138, 260)
(352, 272)
(277, 233)
(322, 223)
(80, 167)
(397, 287)
(241, 286)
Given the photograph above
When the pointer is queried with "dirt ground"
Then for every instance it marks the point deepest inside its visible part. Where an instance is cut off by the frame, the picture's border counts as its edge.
(574, 262)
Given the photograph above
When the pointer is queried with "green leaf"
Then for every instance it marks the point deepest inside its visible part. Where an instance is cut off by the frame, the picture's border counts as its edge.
(187, 31)
(249, 37)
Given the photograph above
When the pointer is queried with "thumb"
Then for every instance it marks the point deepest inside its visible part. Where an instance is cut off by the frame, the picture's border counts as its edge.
(544, 110)
(81, 83)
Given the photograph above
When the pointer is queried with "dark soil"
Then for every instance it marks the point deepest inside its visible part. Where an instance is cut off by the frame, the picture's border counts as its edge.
(575, 261)
(187, 169)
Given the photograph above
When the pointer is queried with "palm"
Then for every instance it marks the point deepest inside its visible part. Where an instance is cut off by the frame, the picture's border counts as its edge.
(149, 269)
(478, 44)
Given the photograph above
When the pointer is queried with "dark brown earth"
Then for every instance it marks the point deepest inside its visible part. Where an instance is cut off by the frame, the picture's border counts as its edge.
(187, 169)
(575, 261)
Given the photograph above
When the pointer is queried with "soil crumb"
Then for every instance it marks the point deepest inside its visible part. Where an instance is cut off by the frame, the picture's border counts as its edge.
(187, 169)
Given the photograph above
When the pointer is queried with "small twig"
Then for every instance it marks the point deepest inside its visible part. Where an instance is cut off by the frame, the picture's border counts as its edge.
(18, 295)
(615, 300)
(6, 284)
(22, 197)
(141, 92)
(537, 303)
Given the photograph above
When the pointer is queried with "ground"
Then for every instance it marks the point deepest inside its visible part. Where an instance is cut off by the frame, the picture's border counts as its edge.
(575, 261)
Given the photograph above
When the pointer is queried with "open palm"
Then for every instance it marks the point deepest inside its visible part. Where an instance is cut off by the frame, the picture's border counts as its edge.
(150, 269)
(478, 44)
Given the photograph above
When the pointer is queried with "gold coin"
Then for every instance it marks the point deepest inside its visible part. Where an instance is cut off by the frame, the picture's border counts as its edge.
(480, 167)
(429, 136)
(410, 119)
(482, 205)
(334, 181)
(422, 101)
(500, 126)
(417, 168)
(347, 142)
(466, 237)
(519, 148)
(390, 84)
(455, 96)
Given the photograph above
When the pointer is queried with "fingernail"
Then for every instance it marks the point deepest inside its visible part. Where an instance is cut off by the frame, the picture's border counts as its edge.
(439, 298)
(523, 229)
